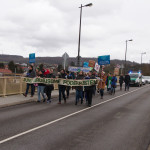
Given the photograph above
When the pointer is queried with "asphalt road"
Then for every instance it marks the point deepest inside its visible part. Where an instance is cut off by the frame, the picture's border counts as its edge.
(118, 122)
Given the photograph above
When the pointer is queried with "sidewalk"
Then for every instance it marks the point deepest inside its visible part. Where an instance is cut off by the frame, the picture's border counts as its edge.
(20, 99)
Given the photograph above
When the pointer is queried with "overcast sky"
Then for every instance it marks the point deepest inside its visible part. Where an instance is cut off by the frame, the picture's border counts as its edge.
(51, 27)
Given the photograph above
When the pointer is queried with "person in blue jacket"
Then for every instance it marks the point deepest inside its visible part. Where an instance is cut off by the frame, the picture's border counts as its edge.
(113, 84)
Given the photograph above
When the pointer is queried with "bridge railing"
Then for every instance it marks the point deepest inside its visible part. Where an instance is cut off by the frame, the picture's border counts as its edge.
(13, 85)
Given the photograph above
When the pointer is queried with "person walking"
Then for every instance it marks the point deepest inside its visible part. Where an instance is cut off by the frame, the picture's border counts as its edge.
(50, 87)
(79, 89)
(113, 84)
(89, 89)
(108, 82)
(68, 76)
(121, 80)
(62, 88)
(101, 84)
(31, 74)
(127, 82)
(41, 86)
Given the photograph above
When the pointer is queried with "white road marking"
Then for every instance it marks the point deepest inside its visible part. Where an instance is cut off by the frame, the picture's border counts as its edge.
(67, 116)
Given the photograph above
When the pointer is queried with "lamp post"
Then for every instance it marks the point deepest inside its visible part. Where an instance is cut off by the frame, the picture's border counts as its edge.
(141, 58)
(126, 55)
(87, 5)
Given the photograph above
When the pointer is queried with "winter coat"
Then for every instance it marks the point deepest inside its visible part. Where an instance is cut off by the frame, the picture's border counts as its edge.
(101, 83)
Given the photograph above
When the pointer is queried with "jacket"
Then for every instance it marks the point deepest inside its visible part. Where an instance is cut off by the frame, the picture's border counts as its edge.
(101, 83)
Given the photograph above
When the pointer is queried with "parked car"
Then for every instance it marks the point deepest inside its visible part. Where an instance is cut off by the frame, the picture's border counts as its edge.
(143, 80)
(147, 79)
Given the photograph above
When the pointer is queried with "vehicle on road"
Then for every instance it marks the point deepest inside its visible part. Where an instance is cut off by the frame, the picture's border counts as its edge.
(143, 81)
(136, 78)
(147, 79)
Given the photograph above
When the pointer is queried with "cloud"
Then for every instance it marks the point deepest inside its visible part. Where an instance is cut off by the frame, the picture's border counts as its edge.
(51, 27)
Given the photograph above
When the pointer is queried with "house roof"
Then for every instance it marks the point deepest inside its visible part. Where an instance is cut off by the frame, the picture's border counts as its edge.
(5, 71)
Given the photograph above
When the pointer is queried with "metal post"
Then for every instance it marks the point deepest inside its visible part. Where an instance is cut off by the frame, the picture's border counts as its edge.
(125, 58)
(78, 62)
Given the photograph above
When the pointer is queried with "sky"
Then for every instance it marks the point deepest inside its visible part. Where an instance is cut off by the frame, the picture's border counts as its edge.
(51, 28)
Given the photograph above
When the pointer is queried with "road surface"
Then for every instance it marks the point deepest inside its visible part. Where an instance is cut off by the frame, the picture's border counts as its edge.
(118, 122)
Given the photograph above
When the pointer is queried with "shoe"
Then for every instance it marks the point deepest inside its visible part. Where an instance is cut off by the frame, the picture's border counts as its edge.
(75, 103)
(59, 103)
(24, 94)
(65, 101)
(44, 100)
(48, 101)
(38, 101)
(81, 102)
(89, 105)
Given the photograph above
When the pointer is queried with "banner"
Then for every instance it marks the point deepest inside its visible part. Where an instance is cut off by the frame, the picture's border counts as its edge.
(104, 60)
(97, 67)
(32, 58)
(76, 69)
(91, 63)
(86, 64)
(67, 82)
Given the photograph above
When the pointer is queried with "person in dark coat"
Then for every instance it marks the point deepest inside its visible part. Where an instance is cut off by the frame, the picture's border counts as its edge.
(49, 88)
(127, 82)
(62, 88)
(89, 89)
(31, 74)
(121, 80)
(79, 89)
(68, 76)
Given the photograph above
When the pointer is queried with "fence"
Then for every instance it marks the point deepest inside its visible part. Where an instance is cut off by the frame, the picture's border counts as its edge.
(13, 85)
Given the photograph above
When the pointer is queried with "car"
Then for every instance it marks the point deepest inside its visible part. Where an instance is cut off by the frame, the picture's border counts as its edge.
(147, 79)
(136, 78)
(143, 80)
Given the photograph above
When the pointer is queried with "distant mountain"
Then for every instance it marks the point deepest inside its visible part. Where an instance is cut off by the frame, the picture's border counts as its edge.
(54, 60)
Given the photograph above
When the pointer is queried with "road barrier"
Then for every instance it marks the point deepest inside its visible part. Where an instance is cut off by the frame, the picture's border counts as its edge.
(13, 85)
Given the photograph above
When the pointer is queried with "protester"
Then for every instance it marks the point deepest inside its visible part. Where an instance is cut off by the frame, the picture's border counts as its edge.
(50, 87)
(62, 87)
(121, 80)
(113, 84)
(101, 84)
(41, 86)
(68, 76)
(89, 90)
(127, 82)
(31, 74)
(108, 82)
(79, 89)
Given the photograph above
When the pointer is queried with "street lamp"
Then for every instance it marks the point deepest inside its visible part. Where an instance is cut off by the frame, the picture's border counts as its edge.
(126, 55)
(141, 58)
(87, 5)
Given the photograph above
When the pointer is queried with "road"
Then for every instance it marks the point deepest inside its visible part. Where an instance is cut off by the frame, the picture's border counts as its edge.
(118, 122)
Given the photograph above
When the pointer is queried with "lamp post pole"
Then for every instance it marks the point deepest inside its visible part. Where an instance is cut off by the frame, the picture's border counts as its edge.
(126, 55)
(79, 41)
(78, 63)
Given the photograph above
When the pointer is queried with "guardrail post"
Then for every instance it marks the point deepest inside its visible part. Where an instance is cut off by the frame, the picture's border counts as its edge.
(4, 87)
(21, 85)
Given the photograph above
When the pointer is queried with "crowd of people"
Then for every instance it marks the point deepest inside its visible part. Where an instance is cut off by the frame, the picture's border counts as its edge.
(82, 92)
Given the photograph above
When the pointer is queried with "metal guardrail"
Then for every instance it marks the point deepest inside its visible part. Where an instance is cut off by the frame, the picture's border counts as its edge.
(13, 85)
